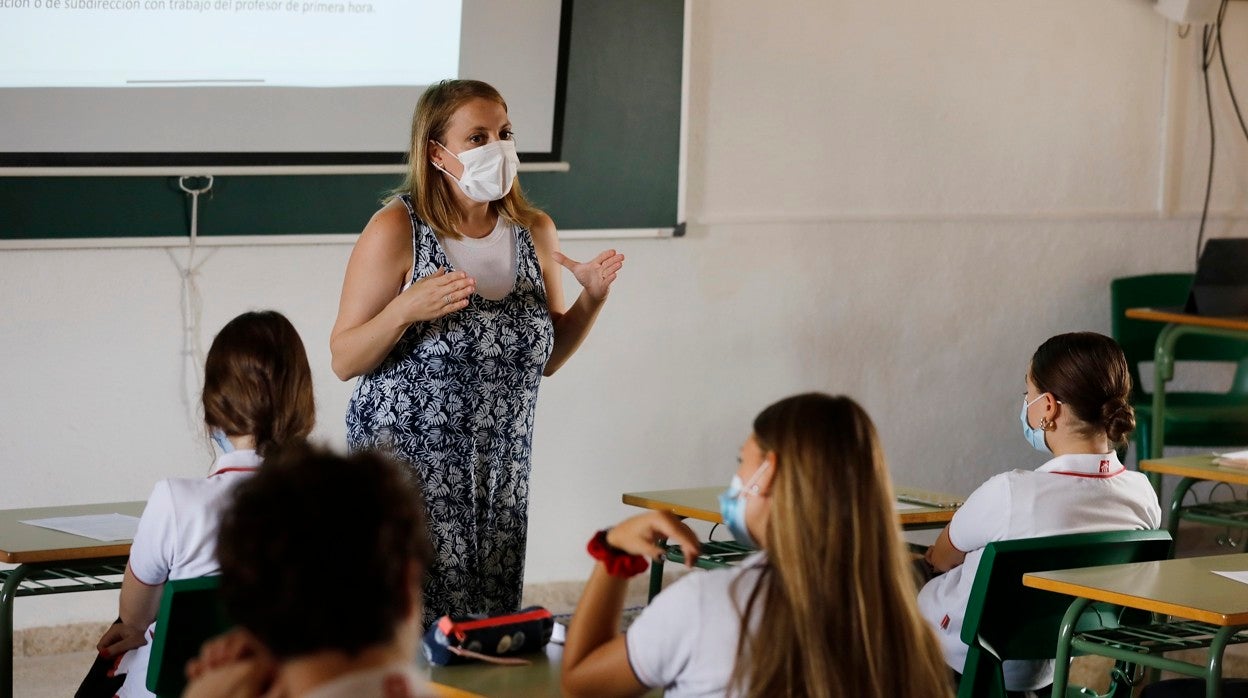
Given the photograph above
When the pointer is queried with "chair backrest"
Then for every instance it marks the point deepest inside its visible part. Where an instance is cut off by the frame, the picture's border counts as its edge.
(190, 613)
(1019, 622)
(1138, 338)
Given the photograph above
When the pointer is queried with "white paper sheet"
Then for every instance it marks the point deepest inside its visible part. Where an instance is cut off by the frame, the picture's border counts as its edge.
(1237, 575)
(1234, 455)
(101, 527)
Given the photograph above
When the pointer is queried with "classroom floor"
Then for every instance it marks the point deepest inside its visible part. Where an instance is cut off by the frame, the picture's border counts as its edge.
(50, 662)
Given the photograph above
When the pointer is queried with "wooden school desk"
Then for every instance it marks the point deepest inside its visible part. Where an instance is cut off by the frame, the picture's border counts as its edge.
(1207, 610)
(541, 678)
(1193, 469)
(1177, 325)
(52, 562)
(537, 680)
(702, 504)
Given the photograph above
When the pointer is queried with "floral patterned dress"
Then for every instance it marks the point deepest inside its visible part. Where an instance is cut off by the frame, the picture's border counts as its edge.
(455, 399)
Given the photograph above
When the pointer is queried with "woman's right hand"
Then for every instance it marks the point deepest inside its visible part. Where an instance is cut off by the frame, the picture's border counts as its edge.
(434, 296)
(640, 535)
(375, 309)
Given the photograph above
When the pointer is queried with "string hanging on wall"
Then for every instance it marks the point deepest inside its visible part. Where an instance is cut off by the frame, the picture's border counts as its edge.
(192, 305)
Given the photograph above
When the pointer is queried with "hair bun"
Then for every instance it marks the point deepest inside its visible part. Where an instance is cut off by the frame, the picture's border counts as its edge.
(1118, 419)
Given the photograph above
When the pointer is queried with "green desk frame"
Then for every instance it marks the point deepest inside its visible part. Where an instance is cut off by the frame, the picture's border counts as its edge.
(53, 562)
(1190, 607)
(1143, 645)
(41, 579)
(1163, 372)
(1191, 470)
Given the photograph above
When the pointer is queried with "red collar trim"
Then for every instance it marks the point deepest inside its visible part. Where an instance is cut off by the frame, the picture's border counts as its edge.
(1104, 471)
(234, 470)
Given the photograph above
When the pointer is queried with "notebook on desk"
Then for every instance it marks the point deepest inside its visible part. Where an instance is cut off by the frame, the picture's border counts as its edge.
(925, 498)
(1220, 287)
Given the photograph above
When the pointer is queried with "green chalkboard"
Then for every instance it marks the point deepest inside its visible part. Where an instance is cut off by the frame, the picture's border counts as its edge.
(621, 136)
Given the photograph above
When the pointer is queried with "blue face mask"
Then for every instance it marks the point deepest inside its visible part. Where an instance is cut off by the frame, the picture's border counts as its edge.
(1035, 437)
(732, 506)
(222, 441)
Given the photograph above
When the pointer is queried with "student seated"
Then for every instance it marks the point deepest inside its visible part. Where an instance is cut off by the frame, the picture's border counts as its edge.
(826, 608)
(257, 395)
(1078, 399)
(322, 559)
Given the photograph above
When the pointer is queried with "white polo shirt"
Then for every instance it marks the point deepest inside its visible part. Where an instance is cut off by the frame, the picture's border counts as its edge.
(685, 641)
(177, 539)
(1076, 493)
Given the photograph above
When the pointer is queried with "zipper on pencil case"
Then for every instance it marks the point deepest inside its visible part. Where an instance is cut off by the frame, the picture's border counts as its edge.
(465, 626)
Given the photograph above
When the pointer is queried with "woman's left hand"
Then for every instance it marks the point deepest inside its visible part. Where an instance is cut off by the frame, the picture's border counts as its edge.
(597, 274)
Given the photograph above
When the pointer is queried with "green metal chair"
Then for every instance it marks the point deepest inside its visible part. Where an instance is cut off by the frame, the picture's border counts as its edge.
(1008, 621)
(1191, 419)
(190, 613)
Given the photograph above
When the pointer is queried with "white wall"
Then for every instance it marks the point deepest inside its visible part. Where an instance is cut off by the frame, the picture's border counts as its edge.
(897, 201)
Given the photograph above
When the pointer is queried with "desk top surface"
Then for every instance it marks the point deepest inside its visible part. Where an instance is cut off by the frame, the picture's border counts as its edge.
(1238, 322)
(21, 542)
(702, 503)
(1199, 467)
(540, 678)
(1186, 588)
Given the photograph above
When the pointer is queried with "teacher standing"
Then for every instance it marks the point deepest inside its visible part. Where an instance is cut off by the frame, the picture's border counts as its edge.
(452, 310)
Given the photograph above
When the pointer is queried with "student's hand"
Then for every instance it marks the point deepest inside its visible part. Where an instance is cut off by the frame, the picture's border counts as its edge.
(435, 296)
(597, 274)
(640, 535)
(120, 638)
(232, 664)
(227, 648)
(247, 678)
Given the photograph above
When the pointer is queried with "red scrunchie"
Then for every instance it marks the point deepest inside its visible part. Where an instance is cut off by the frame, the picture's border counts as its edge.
(617, 562)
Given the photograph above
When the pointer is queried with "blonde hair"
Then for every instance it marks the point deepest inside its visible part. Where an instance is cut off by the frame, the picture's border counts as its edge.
(839, 616)
(429, 188)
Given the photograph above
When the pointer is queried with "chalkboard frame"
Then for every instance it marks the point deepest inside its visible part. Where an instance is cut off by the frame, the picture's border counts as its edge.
(622, 141)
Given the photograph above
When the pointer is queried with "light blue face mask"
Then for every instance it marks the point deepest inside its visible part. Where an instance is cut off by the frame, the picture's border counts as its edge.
(1035, 437)
(732, 506)
(223, 442)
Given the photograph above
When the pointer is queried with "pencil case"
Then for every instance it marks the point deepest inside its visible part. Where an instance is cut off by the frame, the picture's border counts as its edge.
(497, 639)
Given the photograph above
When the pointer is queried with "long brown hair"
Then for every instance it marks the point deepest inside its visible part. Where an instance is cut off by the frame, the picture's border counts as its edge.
(839, 616)
(429, 188)
(257, 381)
(1088, 373)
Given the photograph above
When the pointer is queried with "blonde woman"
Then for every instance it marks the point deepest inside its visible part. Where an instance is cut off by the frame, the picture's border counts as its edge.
(826, 608)
(452, 310)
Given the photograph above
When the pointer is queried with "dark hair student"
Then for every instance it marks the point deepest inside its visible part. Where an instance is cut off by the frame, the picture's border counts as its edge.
(1088, 373)
(321, 565)
(271, 564)
(1074, 410)
(257, 397)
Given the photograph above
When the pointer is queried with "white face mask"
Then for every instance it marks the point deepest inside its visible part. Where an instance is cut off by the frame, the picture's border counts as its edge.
(489, 170)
